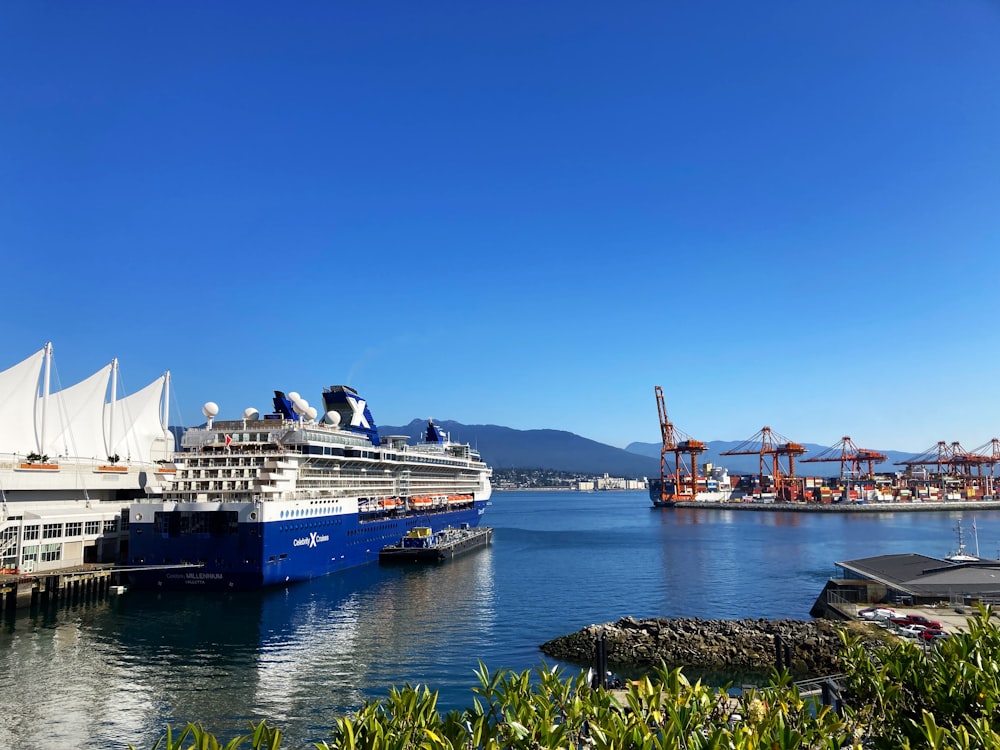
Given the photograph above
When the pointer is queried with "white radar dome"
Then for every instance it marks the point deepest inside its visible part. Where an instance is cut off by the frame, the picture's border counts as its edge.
(293, 396)
(311, 412)
(210, 409)
(332, 418)
(300, 406)
(251, 413)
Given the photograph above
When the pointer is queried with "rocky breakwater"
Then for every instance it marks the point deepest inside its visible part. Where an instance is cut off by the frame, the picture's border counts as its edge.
(738, 645)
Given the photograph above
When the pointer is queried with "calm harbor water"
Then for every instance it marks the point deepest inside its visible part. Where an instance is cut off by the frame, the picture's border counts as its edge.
(103, 674)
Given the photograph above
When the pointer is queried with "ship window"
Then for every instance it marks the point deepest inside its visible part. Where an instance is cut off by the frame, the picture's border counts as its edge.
(283, 556)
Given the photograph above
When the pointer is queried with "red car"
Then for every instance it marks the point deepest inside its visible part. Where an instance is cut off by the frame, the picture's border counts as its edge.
(929, 634)
(916, 620)
(921, 620)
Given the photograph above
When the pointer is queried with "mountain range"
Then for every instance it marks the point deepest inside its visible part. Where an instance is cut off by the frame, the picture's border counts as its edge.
(558, 450)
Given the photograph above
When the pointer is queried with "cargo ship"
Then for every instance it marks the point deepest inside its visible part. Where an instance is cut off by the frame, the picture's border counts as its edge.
(716, 487)
(262, 501)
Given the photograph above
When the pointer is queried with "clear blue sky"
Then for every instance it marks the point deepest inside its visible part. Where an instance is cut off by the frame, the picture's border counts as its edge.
(518, 213)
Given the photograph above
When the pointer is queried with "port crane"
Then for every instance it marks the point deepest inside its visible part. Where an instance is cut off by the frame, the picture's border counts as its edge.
(939, 455)
(948, 459)
(771, 446)
(987, 454)
(678, 443)
(850, 455)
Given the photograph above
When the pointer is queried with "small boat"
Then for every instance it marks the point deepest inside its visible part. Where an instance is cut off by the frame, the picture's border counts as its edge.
(421, 544)
(960, 555)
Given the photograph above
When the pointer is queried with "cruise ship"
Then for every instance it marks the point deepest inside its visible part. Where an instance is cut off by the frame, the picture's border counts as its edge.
(283, 497)
(72, 460)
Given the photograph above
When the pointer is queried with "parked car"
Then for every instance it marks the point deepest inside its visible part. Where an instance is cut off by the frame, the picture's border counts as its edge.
(877, 613)
(929, 634)
(910, 631)
(916, 620)
(921, 620)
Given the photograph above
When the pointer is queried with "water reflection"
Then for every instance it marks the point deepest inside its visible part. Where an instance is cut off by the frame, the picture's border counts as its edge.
(102, 674)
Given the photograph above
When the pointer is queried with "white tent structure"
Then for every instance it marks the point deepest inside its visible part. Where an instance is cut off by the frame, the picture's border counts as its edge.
(71, 461)
(83, 421)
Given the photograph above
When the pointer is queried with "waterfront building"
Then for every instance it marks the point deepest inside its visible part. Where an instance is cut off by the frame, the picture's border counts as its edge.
(71, 462)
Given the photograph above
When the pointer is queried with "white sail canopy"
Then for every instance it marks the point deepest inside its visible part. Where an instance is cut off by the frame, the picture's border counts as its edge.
(136, 423)
(74, 424)
(78, 421)
(18, 394)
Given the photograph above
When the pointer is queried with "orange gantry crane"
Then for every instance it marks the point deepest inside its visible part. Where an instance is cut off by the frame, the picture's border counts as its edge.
(850, 455)
(987, 454)
(953, 467)
(771, 447)
(685, 484)
(940, 455)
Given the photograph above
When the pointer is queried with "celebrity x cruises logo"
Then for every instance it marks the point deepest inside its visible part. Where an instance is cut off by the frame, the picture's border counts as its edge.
(358, 418)
(312, 540)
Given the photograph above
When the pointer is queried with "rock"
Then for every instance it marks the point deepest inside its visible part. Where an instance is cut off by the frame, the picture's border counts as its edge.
(737, 645)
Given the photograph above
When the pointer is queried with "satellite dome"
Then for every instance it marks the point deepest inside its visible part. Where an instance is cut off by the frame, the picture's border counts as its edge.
(332, 418)
(300, 406)
(251, 413)
(311, 412)
(210, 409)
(293, 396)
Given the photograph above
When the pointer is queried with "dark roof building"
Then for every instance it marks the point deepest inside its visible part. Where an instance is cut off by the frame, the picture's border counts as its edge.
(910, 579)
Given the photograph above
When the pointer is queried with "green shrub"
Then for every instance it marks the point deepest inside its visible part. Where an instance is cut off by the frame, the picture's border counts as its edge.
(913, 696)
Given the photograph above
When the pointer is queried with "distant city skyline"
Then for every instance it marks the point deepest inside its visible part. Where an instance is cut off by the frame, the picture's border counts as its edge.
(519, 215)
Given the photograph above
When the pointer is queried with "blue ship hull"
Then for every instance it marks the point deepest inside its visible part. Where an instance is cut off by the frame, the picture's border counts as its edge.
(254, 555)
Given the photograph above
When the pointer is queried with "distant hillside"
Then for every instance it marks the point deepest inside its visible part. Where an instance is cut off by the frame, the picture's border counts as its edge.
(751, 464)
(506, 448)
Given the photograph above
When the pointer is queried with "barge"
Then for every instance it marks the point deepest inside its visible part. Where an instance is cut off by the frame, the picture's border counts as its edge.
(422, 545)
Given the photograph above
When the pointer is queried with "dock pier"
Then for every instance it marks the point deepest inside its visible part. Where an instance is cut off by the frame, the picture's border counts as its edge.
(20, 590)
